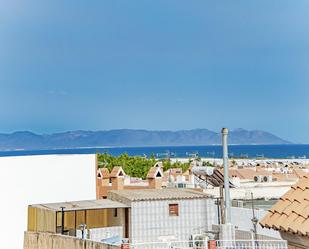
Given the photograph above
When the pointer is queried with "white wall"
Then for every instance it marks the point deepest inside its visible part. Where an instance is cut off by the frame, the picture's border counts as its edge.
(241, 217)
(28, 180)
(150, 220)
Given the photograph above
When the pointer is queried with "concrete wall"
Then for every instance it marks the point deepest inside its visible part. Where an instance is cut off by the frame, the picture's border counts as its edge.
(28, 180)
(52, 241)
(241, 217)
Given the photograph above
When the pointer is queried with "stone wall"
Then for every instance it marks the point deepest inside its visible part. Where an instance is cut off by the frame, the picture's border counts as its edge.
(34, 240)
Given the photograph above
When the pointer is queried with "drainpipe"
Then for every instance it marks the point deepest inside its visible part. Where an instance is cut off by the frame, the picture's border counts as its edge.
(225, 132)
(62, 220)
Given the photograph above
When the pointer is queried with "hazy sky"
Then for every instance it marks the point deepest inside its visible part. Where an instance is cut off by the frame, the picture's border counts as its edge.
(163, 64)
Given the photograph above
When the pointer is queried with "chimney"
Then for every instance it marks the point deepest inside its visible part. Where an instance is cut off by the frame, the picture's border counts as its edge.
(103, 176)
(102, 182)
(227, 198)
(227, 230)
(154, 178)
(159, 165)
(117, 177)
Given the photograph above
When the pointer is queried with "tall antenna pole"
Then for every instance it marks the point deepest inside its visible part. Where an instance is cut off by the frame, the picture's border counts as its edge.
(225, 132)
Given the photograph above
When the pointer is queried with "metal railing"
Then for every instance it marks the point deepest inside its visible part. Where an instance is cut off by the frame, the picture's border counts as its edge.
(251, 244)
(200, 244)
(220, 244)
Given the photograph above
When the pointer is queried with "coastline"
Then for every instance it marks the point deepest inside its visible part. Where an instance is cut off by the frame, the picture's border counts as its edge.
(293, 152)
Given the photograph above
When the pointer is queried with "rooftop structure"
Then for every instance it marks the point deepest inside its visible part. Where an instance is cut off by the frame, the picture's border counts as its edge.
(155, 179)
(139, 215)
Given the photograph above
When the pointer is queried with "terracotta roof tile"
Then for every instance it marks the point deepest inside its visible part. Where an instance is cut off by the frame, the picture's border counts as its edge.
(298, 195)
(291, 208)
(302, 184)
(296, 225)
(103, 173)
(280, 206)
(290, 219)
(116, 172)
(300, 173)
(282, 221)
(154, 172)
(291, 212)
(288, 195)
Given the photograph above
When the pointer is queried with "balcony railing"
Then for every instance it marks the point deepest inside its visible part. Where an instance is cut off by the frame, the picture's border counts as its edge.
(251, 244)
(219, 244)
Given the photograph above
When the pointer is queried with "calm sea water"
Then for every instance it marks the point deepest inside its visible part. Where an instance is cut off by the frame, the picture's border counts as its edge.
(251, 151)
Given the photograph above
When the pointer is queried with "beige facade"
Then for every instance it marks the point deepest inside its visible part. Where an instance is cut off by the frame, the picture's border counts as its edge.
(48, 218)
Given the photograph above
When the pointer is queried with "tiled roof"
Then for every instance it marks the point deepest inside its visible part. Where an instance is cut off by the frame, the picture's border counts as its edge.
(241, 173)
(155, 194)
(262, 172)
(81, 205)
(291, 212)
(300, 173)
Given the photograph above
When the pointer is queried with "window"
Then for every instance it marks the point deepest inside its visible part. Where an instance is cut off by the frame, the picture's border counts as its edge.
(173, 210)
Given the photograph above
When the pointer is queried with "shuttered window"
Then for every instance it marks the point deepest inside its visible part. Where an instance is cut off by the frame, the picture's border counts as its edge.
(173, 210)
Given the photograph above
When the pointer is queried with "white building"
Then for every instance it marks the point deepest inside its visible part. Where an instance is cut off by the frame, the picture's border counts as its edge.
(156, 215)
(39, 179)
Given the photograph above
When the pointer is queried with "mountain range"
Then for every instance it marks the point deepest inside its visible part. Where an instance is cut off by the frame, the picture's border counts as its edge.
(25, 140)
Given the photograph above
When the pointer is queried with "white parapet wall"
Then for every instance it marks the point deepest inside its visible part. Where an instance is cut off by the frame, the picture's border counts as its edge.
(28, 180)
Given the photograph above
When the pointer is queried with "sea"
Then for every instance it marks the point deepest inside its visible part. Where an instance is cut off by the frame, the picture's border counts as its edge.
(289, 151)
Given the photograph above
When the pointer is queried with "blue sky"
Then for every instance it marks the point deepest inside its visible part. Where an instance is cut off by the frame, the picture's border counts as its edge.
(164, 64)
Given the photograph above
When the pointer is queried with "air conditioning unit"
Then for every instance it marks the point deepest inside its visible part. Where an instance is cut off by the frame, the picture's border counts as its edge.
(238, 203)
(257, 178)
(267, 179)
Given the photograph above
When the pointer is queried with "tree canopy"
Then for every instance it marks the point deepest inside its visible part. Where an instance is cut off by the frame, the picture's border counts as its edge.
(137, 166)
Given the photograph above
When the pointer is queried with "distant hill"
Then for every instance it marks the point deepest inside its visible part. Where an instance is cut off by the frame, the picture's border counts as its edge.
(126, 137)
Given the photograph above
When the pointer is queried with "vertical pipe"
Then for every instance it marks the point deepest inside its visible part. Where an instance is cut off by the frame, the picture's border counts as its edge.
(218, 210)
(62, 220)
(222, 209)
(225, 132)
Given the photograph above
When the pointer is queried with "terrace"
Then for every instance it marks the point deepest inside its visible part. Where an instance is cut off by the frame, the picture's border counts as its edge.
(97, 220)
